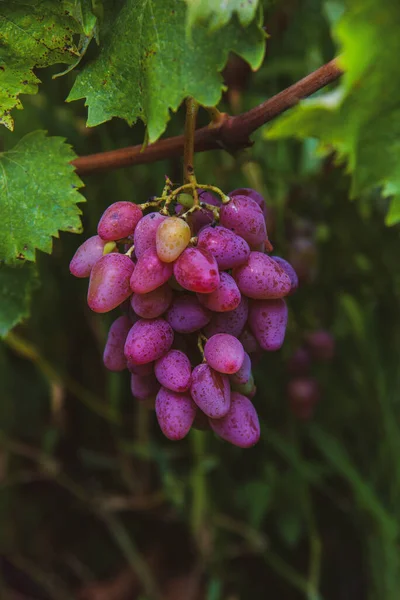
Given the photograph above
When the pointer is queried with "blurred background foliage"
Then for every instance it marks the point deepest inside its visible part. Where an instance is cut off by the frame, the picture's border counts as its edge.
(95, 504)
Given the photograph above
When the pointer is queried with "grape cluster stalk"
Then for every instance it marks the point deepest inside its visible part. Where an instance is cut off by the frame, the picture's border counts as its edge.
(199, 294)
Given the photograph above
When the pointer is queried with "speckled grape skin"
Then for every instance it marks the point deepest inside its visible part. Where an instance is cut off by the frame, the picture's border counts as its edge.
(268, 320)
(224, 353)
(229, 250)
(231, 322)
(172, 237)
(244, 373)
(210, 391)
(240, 426)
(243, 216)
(249, 342)
(145, 232)
(109, 282)
(262, 278)
(150, 272)
(144, 386)
(146, 369)
(186, 314)
(119, 221)
(290, 272)
(196, 270)
(225, 298)
(173, 371)
(253, 195)
(113, 355)
(86, 256)
(175, 413)
(148, 340)
(153, 304)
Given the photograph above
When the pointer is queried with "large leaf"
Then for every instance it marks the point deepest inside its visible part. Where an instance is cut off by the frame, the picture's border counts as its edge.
(16, 285)
(218, 14)
(361, 119)
(38, 196)
(148, 65)
(33, 33)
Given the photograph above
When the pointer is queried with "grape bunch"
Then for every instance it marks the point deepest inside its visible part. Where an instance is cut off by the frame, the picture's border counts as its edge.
(199, 295)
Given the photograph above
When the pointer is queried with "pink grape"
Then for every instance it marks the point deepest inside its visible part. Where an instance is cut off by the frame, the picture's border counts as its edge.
(300, 362)
(262, 278)
(119, 221)
(224, 353)
(148, 340)
(211, 391)
(244, 373)
(268, 320)
(249, 342)
(253, 195)
(86, 256)
(321, 345)
(196, 270)
(173, 371)
(146, 231)
(109, 282)
(201, 218)
(231, 322)
(240, 426)
(172, 237)
(303, 394)
(228, 249)
(225, 298)
(245, 218)
(150, 272)
(175, 413)
(144, 386)
(153, 304)
(145, 369)
(290, 272)
(187, 315)
(113, 355)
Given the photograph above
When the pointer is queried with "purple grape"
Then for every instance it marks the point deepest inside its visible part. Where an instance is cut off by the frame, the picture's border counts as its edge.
(231, 322)
(144, 386)
(303, 394)
(148, 340)
(240, 426)
(145, 232)
(225, 298)
(290, 272)
(150, 272)
(321, 345)
(253, 195)
(173, 371)
(244, 373)
(228, 249)
(175, 413)
(86, 256)
(196, 270)
(201, 218)
(187, 315)
(113, 356)
(109, 282)
(210, 391)
(262, 278)
(146, 369)
(224, 353)
(243, 216)
(268, 320)
(300, 362)
(153, 304)
(119, 221)
(249, 342)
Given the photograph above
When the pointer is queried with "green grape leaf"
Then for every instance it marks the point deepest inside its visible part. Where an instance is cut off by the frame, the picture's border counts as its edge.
(33, 34)
(217, 14)
(39, 195)
(360, 120)
(16, 286)
(147, 64)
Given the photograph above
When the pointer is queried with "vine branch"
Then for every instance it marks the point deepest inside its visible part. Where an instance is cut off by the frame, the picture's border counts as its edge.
(229, 133)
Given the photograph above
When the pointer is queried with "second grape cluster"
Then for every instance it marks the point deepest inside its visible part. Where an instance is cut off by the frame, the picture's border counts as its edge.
(199, 295)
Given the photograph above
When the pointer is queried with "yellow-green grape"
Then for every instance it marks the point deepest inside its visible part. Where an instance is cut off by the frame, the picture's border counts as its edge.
(173, 235)
(109, 247)
(185, 200)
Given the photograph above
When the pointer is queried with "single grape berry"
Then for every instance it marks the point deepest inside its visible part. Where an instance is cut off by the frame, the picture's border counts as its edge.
(229, 250)
(224, 353)
(119, 221)
(146, 231)
(245, 218)
(244, 373)
(187, 315)
(240, 426)
(172, 237)
(173, 371)
(225, 298)
(150, 272)
(232, 322)
(211, 391)
(175, 413)
(144, 386)
(148, 340)
(290, 272)
(109, 282)
(268, 320)
(196, 270)
(87, 256)
(113, 356)
(153, 304)
(262, 278)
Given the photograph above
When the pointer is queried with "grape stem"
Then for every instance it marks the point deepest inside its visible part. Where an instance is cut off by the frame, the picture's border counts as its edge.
(231, 133)
(189, 177)
(201, 340)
